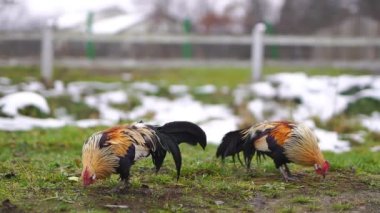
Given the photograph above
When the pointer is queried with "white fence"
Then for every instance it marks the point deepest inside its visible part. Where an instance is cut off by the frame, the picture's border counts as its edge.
(48, 38)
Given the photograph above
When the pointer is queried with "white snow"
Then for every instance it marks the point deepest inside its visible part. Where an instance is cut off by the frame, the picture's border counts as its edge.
(371, 122)
(145, 87)
(206, 89)
(53, 8)
(85, 123)
(112, 97)
(5, 81)
(257, 109)
(215, 129)
(8, 89)
(183, 108)
(10, 104)
(33, 86)
(375, 149)
(263, 89)
(329, 141)
(118, 24)
(369, 93)
(28, 123)
(70, 20)
(319, 96)
(215, 118)
(178, 89)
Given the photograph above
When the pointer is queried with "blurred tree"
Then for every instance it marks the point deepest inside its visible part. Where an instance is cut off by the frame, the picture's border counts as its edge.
(370, 8)
(307, 16)
(254, 15)
(14, 16)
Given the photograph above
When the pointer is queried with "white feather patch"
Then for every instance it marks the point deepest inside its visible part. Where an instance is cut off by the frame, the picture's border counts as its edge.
(141, 152)
(261, 144)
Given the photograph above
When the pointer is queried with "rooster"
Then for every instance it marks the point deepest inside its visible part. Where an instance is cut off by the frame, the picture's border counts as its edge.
(116, 149)
(283, 141)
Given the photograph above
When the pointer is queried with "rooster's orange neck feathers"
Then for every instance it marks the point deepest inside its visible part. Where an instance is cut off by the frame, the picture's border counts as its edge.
(101, 162)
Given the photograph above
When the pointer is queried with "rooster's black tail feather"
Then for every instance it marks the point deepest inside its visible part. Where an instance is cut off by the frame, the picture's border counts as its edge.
(171, 135)
(232, 144)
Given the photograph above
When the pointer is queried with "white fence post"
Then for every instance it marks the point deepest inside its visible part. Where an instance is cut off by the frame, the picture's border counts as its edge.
(257, 51)
(47, 54)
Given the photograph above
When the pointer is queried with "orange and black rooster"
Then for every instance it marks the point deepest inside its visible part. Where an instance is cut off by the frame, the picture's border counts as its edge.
(283, 141)
(116, 149)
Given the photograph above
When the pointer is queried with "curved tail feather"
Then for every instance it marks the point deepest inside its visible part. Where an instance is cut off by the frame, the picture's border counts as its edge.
(233, 143)
(184, 131)
(171, 135)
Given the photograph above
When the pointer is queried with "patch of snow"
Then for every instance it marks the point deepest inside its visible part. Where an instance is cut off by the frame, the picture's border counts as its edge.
(357, 137)
(320, 96)
(102, 103)
(263, 90)
(119, 23)
(269, 110)
(240, 94)
(53, 8)
(86, 123)
(10, 104)
(376, 83)
(206, 89)
(322, 104)
(375, 149)
(369, 93)
(372, 122)
(145, 87)
(8, 89)
(329, 141)
(112, 97)
(58, 89)
(215, 129)
(187, 109)
(178, 89)
(5, 81)
(27, 123)
(33, 86)
(346, 82)
(70, 20)
(109, 113)
(79, 88)
(257, 109)
(288, 79)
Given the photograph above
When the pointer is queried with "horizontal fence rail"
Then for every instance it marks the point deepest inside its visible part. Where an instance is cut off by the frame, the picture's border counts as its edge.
(50, 42)
(280, 40)
(179, 63)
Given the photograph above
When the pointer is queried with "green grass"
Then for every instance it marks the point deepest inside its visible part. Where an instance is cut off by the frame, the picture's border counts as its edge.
(225, 76)
(342, 207)
(364, 106)
(35, 166)
(302, 199)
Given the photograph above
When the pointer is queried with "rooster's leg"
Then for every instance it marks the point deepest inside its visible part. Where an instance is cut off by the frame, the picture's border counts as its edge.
(284, 173)
(238, 157)
(287, 170)
(123, 170)
(121, 187)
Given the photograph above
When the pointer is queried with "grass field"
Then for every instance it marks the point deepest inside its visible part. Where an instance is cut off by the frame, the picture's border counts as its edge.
(35, 168)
